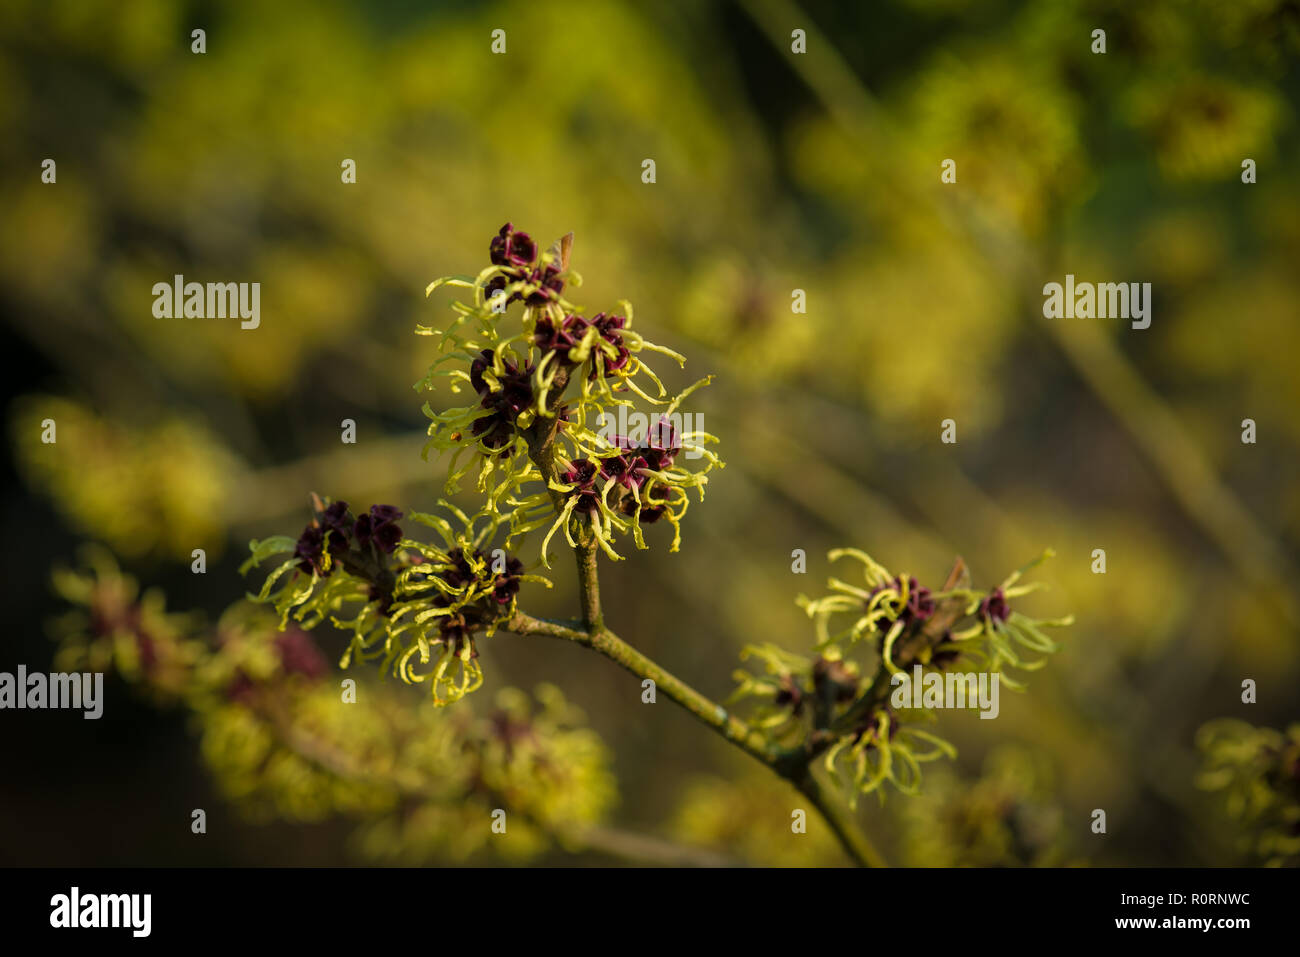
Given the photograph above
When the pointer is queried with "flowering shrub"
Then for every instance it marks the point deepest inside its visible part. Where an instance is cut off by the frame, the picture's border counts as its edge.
(539, 382)
(838, 703)
(419, 608)
(542, 376)
(546, 380)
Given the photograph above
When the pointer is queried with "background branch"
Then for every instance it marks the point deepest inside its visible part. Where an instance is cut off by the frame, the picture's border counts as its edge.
(625, 845)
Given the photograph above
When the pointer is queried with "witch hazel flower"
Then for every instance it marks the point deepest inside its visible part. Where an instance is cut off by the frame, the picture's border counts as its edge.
(1007, 633)
(823, 706)
(539, 370)
(552, 331)
(840, 706)
(914, 625)
(883, 749)
(505, 394)
(608, 359)
(786, 693)
(585, 499)
(379, 527)
(888, 608)
(447, 599)
(418, 608)
(493, 433)
(512, 248)
(620, 489)
(517, 273)
(538, 382)
(640, 479)
(325, 540)
(573, 340)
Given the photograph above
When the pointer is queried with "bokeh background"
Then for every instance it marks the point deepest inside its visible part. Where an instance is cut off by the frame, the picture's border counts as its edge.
(775, 172)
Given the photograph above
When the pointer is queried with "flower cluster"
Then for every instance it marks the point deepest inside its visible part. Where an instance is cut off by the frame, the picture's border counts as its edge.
(543, 375)
(115, 627)
(636, 482)
(832, 705)
(503, 400)
(334, 536)
(907, 623)
(176, 657)
(278, 744)
(334, 539)
(419, 608)
(573, 340)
